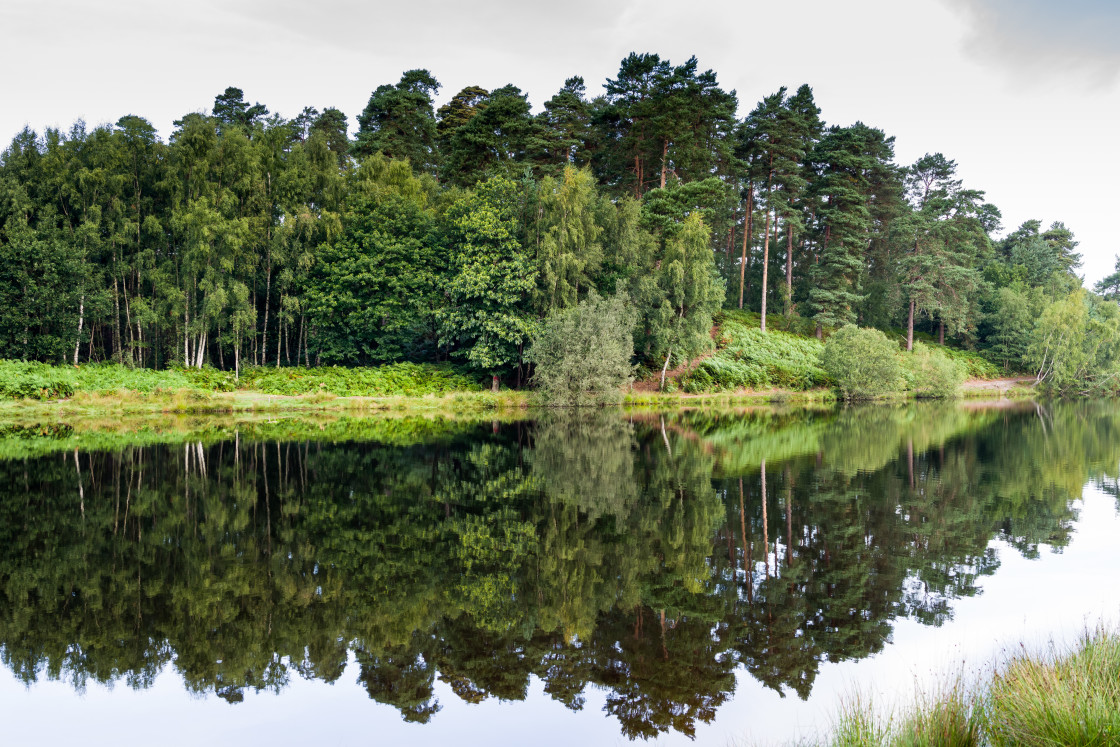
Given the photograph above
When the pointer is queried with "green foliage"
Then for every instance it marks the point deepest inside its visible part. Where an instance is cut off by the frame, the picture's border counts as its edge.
(248, 239)
(863, 363)
(373, 293)
(976, 365)
(19, 379)
(583, 355)
(399, 121)
(1075, 345)
(750, 358)
(42, 381)
(407, 379)
(491, 279)
(931, 373)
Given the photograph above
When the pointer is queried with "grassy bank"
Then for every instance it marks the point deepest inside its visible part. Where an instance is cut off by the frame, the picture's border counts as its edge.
(1057, 697)
(785, 359)
(747, 366)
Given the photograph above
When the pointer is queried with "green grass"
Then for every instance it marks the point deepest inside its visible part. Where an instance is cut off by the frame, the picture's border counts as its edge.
(1058, 697)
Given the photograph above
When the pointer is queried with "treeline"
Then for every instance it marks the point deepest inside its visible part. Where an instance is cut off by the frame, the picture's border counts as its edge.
(249, 238)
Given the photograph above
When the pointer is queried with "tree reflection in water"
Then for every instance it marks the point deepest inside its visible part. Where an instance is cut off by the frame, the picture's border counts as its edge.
(650, 556)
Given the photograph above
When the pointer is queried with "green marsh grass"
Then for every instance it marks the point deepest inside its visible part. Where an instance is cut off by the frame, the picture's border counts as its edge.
(1053, 698)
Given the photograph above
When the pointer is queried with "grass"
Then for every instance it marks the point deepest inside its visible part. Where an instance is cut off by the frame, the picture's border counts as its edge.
(1057, 697)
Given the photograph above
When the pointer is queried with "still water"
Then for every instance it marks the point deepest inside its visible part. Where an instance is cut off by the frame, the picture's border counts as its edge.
(595, 579)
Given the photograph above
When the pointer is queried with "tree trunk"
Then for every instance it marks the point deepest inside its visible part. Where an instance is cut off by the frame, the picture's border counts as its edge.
(820, 331)
(664, 156)
(789, 268)
(910, 328)
(746, 242)
(765, 266)
(494, 383)
(201, 349)
(765, 523)
(81, 320)
(665, 368)
(264, 333)
(941, 332)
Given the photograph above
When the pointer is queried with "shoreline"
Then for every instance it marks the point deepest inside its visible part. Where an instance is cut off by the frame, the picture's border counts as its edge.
(201, 402)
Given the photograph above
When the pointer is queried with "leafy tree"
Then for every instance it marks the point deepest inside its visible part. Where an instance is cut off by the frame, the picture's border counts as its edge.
(583, 354)
(374, 291)
(689, 292)
(948, 237)
(487, 318)
(1011, 322)
(1075, 345)
(1109, 286)
(566, 236)
(331, 124)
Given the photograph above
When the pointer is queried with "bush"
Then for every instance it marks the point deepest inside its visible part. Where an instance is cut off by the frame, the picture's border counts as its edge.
(582, 354)
(931, 373)
(862, 363)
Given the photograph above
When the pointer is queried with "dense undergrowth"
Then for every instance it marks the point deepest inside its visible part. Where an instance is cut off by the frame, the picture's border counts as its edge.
(24, 380)
(787, 356)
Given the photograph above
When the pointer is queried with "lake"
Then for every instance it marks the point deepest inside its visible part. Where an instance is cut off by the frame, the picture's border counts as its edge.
(595, 578)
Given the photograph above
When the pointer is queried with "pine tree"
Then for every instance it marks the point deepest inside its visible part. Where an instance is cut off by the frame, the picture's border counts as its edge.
(399, 121)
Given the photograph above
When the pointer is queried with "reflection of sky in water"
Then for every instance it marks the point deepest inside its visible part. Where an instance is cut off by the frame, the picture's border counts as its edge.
(1025, 600)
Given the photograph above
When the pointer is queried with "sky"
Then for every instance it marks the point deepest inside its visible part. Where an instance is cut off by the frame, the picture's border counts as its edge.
(1023, 94)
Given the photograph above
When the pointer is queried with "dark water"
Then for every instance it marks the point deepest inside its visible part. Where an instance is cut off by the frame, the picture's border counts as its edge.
(598, 578)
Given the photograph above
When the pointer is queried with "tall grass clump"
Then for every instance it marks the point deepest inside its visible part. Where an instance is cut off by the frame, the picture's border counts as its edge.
(863, 363)
(1058, 699)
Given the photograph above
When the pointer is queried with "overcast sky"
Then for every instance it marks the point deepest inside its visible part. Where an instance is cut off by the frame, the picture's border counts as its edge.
(1023, 94)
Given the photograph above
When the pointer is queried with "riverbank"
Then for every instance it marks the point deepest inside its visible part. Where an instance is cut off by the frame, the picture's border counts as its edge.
(1056, 696)
(191, 401)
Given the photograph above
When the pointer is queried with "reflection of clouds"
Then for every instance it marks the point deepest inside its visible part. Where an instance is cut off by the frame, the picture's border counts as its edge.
(1039, 37)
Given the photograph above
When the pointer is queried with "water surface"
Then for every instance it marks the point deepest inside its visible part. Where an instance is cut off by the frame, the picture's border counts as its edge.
(599, 577)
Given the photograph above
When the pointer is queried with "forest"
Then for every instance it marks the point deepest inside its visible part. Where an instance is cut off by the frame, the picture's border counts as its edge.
(248, 239)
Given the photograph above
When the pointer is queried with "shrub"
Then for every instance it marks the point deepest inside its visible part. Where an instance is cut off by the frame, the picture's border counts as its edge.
(932, 373)
(863, 363)
(582, 354)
